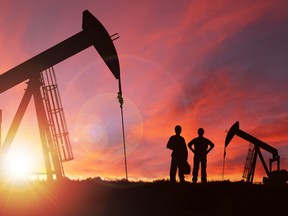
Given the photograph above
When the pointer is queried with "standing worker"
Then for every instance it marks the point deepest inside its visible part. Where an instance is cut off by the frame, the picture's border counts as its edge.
(202, 146)
(179, 154)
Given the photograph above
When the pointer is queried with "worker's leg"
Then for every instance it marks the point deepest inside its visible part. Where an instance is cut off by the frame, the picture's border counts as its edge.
(173, 169)
(195, 170)
(180, 172)
(203, 170)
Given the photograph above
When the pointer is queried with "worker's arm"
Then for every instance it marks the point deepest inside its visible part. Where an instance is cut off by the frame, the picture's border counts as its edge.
(185, 152)
(190, 144)
(170, 143)
(211, 146)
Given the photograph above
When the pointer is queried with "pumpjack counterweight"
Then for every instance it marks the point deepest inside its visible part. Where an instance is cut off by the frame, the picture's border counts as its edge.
(42, 87)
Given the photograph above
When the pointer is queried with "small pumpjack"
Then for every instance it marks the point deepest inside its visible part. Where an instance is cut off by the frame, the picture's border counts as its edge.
(276, 176)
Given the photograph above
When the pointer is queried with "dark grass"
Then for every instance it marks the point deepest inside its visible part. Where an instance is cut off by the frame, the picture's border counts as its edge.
(97, 197)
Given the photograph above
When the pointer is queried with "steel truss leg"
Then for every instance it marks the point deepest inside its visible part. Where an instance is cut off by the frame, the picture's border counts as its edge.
(49, 151)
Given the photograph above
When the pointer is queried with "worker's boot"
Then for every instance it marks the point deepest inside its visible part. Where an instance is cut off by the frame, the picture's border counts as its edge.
(194, 179)
(204, 180)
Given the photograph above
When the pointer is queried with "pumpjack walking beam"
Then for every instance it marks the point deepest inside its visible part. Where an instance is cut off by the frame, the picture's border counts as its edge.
(93, 33)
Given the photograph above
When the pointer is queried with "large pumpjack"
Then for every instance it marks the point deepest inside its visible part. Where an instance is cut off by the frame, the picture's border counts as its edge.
(39, 74)
(275, 176)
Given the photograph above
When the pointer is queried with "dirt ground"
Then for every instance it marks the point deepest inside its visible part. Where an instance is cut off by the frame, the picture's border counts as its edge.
(161, 198)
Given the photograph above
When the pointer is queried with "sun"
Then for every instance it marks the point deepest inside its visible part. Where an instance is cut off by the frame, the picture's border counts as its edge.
(18, 163)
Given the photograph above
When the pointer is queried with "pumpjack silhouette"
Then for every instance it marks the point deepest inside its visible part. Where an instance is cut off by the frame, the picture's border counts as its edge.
(276, 176)
(39, 74)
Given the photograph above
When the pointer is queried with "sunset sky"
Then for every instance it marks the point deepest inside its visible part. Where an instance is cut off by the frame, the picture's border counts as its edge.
(194, 63)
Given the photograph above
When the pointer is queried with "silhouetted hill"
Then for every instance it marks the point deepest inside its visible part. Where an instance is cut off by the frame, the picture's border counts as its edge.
(104, 198)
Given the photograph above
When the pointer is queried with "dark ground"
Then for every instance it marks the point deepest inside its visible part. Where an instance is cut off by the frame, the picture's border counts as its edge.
(161, 198)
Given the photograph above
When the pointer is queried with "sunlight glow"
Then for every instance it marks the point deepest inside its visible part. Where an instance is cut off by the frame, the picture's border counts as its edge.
(18, 163)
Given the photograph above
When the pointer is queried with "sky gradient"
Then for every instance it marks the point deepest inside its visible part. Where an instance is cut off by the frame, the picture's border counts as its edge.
(193, 63)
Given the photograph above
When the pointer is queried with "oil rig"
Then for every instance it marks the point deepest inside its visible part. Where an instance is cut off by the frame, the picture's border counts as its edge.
(39, 74)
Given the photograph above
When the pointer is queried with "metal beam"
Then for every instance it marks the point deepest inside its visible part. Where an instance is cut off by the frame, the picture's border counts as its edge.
(93, 33)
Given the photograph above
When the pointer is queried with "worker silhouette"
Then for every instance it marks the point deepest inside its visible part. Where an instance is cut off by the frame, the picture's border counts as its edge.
(200, 146)
(179, 154)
